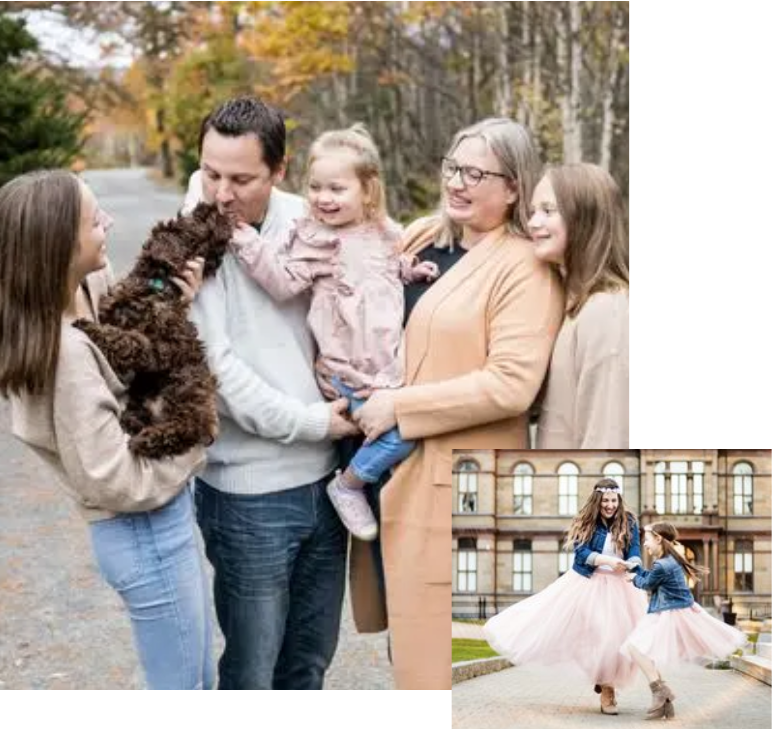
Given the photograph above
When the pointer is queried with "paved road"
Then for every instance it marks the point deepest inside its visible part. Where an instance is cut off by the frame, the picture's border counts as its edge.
(524, 697)
(60, 626)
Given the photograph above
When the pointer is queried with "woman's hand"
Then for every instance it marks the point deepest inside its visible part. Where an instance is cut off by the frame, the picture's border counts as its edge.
(377, 416)
(192, 279)
(324, 380)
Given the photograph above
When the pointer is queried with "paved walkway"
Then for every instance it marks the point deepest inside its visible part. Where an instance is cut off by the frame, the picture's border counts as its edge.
(524, 697)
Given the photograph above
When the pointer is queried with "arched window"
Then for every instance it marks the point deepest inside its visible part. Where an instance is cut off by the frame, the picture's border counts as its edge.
(467, 486)
(616, 471)
(523, 489)
(743, 488)
(568, 487)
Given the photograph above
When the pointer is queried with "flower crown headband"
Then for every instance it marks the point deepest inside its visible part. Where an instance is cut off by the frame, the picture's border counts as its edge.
(606, 489)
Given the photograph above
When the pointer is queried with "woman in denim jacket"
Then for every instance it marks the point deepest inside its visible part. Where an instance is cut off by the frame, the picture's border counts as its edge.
(675, 628)
(581, 620)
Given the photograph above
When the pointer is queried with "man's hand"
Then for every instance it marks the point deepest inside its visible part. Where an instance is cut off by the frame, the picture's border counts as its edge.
(340, 425)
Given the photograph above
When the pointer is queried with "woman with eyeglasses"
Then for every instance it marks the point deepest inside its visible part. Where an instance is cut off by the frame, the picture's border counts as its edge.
(578, 223)
(477, 343)
(579, 623)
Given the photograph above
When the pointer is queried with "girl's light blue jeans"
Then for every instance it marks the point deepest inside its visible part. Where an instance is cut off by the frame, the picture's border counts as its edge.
(152, 560)
(373, 461)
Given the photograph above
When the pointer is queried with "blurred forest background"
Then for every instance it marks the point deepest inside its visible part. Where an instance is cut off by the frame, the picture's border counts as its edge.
(413, 72)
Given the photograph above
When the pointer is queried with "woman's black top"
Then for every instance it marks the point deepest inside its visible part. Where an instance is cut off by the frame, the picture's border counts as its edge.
(445, 260)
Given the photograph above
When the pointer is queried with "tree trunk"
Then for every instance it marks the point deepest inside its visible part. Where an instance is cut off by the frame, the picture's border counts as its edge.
(167, 164)
(503, 75)
(607, 129)
(523, 101)
(576, 67)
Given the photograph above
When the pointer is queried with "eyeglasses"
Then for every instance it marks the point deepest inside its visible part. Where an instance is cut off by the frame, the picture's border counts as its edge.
(470, 176)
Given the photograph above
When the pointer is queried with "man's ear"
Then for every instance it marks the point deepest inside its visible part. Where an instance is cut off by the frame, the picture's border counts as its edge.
(281, 170)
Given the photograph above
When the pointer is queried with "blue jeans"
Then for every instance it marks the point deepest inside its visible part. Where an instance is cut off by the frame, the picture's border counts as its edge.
(372, 461)
(152, 560)
(279, 574)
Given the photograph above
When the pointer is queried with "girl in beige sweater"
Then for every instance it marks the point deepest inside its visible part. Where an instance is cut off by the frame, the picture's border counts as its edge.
(578, 223)
(66, 404)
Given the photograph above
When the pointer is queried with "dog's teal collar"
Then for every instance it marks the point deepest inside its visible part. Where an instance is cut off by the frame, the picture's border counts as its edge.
(156, 284)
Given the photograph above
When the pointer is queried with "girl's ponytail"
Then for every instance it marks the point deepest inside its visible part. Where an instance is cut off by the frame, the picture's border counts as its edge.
(672, 547)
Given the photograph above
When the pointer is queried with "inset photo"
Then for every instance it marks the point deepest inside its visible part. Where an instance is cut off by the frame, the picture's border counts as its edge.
(630, 582)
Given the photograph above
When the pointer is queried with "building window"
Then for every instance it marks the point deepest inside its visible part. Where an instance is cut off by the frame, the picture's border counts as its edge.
(568, 485)
(698, 476)
(467, 486)
(678, 475)
(687, 486)
(659, 486)
(617, 472)
(565, 560)
(743, 565)
(522, 566)
(743, 488)
(467, 565)
(523, 489)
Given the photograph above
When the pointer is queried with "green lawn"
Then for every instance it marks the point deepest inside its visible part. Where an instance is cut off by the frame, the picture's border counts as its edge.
(466, 649)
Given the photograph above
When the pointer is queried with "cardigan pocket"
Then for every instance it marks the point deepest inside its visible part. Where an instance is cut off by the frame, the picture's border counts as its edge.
(442, 467)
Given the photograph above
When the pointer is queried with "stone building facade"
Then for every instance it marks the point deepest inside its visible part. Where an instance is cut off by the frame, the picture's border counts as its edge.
(511, 510)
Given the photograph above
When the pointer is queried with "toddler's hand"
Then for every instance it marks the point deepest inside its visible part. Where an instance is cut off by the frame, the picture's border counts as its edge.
(243, 235)
(425, 270)
(630, 576)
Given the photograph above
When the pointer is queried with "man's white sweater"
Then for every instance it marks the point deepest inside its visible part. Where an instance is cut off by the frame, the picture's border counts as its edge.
(273, 419)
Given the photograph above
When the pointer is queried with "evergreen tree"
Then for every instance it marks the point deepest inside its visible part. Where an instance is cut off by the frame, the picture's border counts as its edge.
(37, 128)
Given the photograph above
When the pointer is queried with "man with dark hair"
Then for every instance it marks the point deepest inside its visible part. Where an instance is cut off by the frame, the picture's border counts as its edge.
(274, 540)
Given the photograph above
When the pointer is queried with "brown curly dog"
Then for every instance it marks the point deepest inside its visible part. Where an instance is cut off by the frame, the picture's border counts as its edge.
(145, 335)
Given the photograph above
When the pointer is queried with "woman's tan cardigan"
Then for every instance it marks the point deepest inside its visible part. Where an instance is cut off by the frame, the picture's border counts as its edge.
(477, 347)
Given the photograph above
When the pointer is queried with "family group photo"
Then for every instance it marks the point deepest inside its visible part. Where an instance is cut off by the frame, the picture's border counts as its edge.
(626, 583)
(264, 269)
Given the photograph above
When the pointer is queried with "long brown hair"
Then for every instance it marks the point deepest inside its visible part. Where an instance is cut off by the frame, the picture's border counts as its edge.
(584, 522)
(670, 547)
(39, 232)
(593, 210)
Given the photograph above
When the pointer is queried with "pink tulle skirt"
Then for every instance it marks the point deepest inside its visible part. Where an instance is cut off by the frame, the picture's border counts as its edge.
(670, 637)
(577, 624)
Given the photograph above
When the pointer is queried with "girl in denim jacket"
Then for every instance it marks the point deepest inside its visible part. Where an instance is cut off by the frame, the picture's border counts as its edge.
(581, 620)
(675, 629)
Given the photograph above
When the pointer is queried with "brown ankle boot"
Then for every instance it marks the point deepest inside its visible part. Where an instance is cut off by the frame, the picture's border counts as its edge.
(660, 696)
(608, 702)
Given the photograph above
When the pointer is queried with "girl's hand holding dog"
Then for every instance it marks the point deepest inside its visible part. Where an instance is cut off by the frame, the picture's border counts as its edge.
(192, 279)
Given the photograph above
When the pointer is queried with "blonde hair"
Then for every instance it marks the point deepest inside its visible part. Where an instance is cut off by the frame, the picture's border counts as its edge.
(584, 522)
(593, 210)
(673, 548)
(514, 148)
(367, 165)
